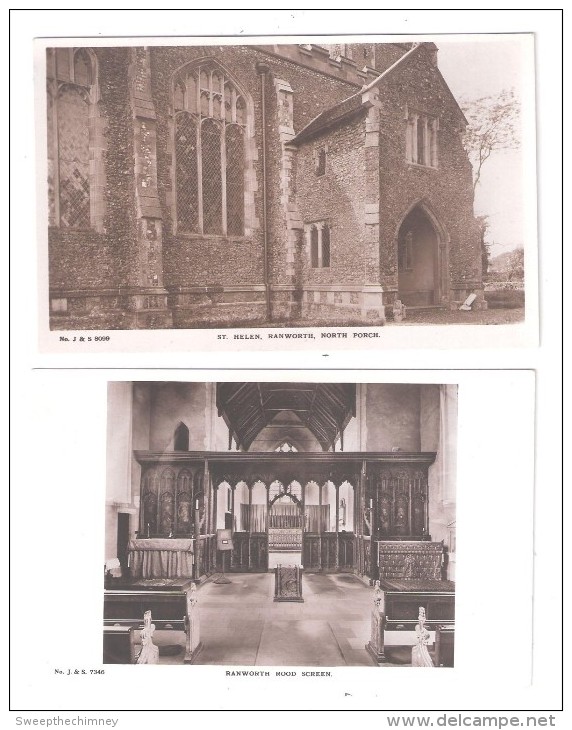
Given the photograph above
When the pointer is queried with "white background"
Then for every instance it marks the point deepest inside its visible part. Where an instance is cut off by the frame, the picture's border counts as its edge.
(59, 421)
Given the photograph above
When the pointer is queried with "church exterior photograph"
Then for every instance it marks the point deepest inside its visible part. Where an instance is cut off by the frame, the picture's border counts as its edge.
(280, 524)
(248, 185)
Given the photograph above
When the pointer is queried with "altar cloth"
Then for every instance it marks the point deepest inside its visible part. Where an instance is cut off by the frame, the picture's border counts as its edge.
(161, 558)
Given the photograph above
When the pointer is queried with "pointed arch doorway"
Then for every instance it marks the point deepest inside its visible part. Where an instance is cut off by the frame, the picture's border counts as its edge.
(421, 252)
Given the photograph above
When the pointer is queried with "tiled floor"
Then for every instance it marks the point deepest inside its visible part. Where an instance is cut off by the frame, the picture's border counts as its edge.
(241, 625)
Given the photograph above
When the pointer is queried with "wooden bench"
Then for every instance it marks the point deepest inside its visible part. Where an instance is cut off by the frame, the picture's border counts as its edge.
(170, 602)
(410, 576)
(445, 646)
(118, 645)
(127, 608)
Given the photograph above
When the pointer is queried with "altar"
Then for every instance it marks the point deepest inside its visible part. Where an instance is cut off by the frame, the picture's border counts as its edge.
(161, 557)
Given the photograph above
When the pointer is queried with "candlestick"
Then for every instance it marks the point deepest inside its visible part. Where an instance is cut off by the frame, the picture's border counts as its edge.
(196, 504)
(370, 503)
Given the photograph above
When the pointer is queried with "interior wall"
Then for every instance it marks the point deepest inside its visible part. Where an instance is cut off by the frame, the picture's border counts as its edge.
(429, 406)
(140, 429)
(439, 423)
(172, 403)
(219, 430)
(351, 436)
(392, 417)
(119, 459)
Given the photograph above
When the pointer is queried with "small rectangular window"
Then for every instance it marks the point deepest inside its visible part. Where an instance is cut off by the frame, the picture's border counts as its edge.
(325, 247)
(321, 162)
(319, 243)
(314, 247)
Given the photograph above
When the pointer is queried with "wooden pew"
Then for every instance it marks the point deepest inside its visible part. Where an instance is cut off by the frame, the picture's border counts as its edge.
(445, 646)
(118, 645)
(410, 576)
(402, 606)
(172, 604)
(126, 608)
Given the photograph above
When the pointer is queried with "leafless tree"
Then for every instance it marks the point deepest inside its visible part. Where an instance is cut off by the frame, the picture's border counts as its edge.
(515, 265)
(493, 126)
(483, 224)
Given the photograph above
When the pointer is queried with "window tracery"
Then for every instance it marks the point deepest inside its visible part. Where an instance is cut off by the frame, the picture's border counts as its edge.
(421, 140)
(71, 94)
(210, 127)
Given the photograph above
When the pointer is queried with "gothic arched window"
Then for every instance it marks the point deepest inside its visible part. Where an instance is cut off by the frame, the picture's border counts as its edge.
(210, 127)
(181, 438)
(71, 93)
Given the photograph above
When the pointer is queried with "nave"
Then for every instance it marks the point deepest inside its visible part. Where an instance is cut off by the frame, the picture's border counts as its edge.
(241, 625)
(354, 482)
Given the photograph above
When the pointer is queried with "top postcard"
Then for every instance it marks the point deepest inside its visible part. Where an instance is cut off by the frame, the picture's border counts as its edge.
(375, 190)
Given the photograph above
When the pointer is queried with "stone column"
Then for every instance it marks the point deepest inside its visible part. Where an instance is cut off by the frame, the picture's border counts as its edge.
(319, 526)
(207, 490)
(337, 527)
(232, 493)
(250, 486)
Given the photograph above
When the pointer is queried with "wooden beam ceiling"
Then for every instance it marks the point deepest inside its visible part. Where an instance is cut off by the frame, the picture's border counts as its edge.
(324, 408)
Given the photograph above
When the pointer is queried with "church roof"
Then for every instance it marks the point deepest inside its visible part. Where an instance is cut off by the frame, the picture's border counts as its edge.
(354, 104)
(324, 409)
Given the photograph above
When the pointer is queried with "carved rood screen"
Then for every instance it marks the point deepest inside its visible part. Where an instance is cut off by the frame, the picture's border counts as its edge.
(400, 502)
(381, 494)
(169, 495)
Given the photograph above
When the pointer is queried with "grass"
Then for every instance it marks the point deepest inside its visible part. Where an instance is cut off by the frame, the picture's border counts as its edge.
(455, 316)
(421, 317)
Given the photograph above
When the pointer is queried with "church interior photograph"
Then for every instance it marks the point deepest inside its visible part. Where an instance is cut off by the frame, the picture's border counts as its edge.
(280, 524)
(234, 185)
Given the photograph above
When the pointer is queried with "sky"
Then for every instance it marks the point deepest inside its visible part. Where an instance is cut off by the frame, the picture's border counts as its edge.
(482, 68)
